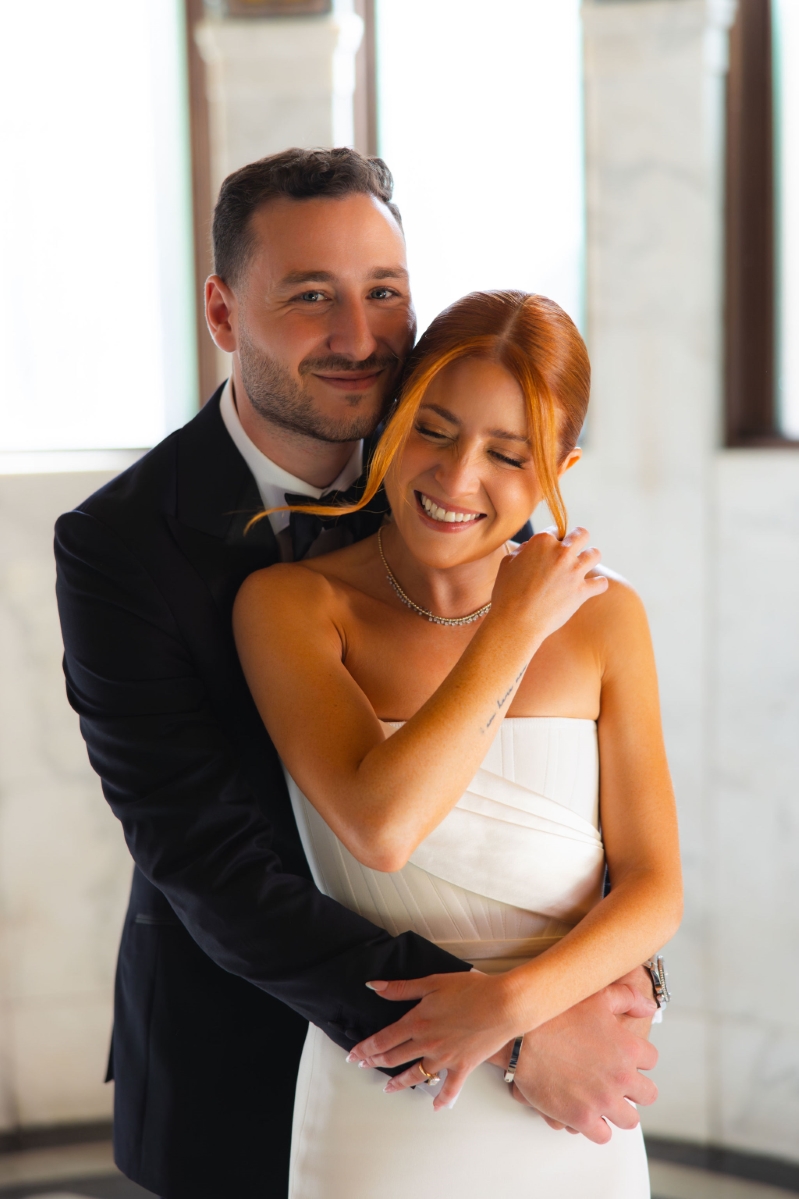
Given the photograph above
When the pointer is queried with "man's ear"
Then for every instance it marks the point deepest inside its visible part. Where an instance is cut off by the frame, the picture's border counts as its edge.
(221, 311)
(570, 460)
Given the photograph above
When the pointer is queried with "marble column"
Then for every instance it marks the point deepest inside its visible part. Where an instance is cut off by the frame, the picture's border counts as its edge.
(278, 82)
(709, 537)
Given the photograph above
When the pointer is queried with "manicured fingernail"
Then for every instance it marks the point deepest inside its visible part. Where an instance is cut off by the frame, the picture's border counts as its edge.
(389, 1088)
(365, 1064)
(351, 1057)
(377, 986)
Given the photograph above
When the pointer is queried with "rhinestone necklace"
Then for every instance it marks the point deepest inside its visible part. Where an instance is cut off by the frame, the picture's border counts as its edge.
(452, 621)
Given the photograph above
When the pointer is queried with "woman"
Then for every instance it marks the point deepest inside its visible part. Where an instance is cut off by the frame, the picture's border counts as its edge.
(441, 700)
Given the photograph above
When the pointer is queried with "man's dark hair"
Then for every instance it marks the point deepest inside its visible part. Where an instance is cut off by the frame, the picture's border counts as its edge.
(298, 174)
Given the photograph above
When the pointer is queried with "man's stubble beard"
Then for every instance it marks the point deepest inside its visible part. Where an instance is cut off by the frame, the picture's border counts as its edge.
(280, 399)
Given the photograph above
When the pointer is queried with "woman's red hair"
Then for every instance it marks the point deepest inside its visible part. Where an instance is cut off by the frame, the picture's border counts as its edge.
(536, 342)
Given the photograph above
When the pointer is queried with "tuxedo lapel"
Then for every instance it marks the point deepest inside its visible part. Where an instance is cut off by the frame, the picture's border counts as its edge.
(216, 496)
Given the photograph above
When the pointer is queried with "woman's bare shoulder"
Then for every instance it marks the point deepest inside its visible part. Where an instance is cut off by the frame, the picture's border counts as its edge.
(323, 581)
(616, 621)
(286, 587)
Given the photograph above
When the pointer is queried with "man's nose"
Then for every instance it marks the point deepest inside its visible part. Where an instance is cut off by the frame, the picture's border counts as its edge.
(350, 332)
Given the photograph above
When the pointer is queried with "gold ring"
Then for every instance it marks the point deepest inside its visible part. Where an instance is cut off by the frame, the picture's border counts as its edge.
(429, 1079)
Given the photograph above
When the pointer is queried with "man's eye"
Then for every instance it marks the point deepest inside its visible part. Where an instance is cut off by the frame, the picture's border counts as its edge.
(312, 297)
(382, 293)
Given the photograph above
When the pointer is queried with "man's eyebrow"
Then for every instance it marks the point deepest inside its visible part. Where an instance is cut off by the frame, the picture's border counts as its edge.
(388, 272)
(501, 434)
(293, 278)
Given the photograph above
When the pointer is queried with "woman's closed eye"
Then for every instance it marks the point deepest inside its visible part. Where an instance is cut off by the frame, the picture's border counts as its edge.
(504, 458)
(434, 434)
(439, 437)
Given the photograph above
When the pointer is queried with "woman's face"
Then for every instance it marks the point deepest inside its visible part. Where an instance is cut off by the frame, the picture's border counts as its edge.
(465, 481)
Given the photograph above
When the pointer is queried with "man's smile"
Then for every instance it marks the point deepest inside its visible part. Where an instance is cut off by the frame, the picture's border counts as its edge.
(351, 380)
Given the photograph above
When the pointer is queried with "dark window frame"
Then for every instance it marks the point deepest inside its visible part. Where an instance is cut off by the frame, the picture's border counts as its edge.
(202, 199)
(750, 351)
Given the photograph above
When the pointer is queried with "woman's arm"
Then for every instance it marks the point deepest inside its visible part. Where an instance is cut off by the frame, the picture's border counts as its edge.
(459, 1026)
(383, 797)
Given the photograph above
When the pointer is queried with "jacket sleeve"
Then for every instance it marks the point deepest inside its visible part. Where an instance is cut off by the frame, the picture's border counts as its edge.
(190, 818)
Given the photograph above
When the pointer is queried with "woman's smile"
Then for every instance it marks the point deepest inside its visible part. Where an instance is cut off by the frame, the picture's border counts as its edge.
(444, 516)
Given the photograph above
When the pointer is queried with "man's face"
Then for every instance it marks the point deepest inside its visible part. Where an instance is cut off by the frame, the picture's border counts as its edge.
(323, 317)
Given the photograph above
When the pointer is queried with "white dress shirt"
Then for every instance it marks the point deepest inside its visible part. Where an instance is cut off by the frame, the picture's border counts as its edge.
(273, 482)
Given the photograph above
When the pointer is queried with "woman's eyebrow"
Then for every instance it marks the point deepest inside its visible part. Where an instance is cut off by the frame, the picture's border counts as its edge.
(504, 435)
(444, 413)
(500, 434)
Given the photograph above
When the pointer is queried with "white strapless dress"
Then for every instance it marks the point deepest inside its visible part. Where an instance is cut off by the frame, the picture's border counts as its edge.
(515, 865)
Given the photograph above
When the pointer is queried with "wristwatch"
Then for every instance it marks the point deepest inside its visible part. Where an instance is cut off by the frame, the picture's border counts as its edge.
(657, 972)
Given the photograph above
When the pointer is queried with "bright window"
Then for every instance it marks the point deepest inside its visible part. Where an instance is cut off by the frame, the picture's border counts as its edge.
(480, 120)
(96, 310)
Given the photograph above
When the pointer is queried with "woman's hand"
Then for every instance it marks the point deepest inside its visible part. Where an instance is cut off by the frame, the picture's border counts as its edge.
(461, 1021)
(543, 583)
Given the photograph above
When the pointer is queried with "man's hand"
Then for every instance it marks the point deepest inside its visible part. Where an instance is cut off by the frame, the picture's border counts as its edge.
(641, 981)
(580, 1069)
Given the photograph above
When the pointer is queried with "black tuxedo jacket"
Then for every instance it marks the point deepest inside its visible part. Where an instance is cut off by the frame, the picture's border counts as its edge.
(228, 948)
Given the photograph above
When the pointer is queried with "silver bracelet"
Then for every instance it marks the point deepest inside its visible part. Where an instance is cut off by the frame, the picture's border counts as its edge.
(510, 1073)
(657, 972)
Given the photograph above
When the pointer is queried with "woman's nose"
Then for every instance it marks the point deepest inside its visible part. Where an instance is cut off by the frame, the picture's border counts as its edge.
(458, 476)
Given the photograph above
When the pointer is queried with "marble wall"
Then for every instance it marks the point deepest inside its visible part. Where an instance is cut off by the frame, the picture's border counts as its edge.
(711, 538)
(64, 866)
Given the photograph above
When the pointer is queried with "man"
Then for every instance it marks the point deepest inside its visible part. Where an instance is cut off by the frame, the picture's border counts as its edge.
(228, 948)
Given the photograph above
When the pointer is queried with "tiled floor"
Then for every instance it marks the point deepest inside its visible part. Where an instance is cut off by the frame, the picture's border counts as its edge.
(670, 1181)
(87, 1172)
(71, 1172)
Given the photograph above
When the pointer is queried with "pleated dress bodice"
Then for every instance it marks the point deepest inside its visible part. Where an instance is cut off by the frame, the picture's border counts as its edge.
(515, 864)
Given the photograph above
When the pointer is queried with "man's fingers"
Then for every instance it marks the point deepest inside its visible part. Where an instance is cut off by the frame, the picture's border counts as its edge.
(647, 1055)
(412, 1077)
(625, 1000)
(642, 1090)
(623, 1115)
(556, 1124)
(595, 1130)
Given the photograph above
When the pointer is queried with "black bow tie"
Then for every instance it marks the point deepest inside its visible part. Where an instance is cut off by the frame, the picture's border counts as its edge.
(305, 527)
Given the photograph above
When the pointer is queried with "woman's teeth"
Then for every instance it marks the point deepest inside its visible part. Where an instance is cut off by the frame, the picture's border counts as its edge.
(445, 514)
